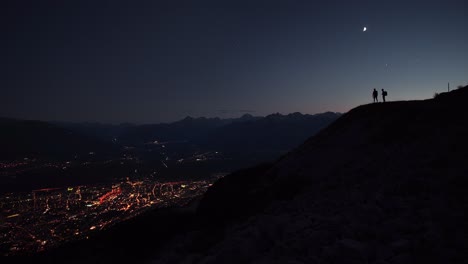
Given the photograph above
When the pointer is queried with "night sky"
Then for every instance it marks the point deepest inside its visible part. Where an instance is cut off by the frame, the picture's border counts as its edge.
(159, 61)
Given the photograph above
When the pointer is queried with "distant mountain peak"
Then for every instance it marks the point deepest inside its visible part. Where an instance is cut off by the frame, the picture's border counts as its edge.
(275, 115)
(244, 116)
(188, 118)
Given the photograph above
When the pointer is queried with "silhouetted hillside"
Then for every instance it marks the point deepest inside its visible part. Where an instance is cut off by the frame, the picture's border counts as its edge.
(24, 138)
(385, 183)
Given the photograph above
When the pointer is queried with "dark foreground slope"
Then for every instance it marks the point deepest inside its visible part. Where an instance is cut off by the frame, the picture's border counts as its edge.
(385, 183)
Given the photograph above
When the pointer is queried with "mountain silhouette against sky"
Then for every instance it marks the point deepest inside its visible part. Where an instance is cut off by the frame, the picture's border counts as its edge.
(28, 138)
(385, 183)
(203, 130)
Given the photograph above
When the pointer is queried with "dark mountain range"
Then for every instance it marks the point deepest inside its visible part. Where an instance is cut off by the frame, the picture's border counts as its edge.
(265, 137)
(187, 129)
(275, 134)
(25, 138)
(385, 183)
(225, 144)
(252, 137)
(105, 132)
(247, 134)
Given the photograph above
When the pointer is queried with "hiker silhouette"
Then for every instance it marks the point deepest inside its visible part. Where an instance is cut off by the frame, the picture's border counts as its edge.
(384, 93)
(375, 95)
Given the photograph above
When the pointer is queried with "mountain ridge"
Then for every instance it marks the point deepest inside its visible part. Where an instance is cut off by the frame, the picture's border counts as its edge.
(31, 138)
(384, 183)
(197, 129)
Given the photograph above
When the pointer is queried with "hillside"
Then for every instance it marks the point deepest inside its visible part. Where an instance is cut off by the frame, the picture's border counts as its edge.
(28, 138)
(385, 183)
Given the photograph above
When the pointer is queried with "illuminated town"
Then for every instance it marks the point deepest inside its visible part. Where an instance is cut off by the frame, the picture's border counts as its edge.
(44, 218)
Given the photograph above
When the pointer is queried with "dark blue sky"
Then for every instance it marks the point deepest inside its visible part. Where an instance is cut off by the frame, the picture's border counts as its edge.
(159, 61)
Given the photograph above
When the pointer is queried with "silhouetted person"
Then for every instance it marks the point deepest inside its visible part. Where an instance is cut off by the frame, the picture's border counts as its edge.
(384, 93)
(375, 95)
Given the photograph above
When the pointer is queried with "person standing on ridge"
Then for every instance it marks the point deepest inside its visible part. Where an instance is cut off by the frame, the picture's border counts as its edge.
(384, 93)
(375, 95)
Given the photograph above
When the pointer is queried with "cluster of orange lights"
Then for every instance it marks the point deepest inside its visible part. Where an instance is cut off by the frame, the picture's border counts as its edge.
(112, 193)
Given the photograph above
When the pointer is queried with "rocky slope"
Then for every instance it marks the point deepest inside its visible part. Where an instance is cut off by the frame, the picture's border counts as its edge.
(385, 183)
